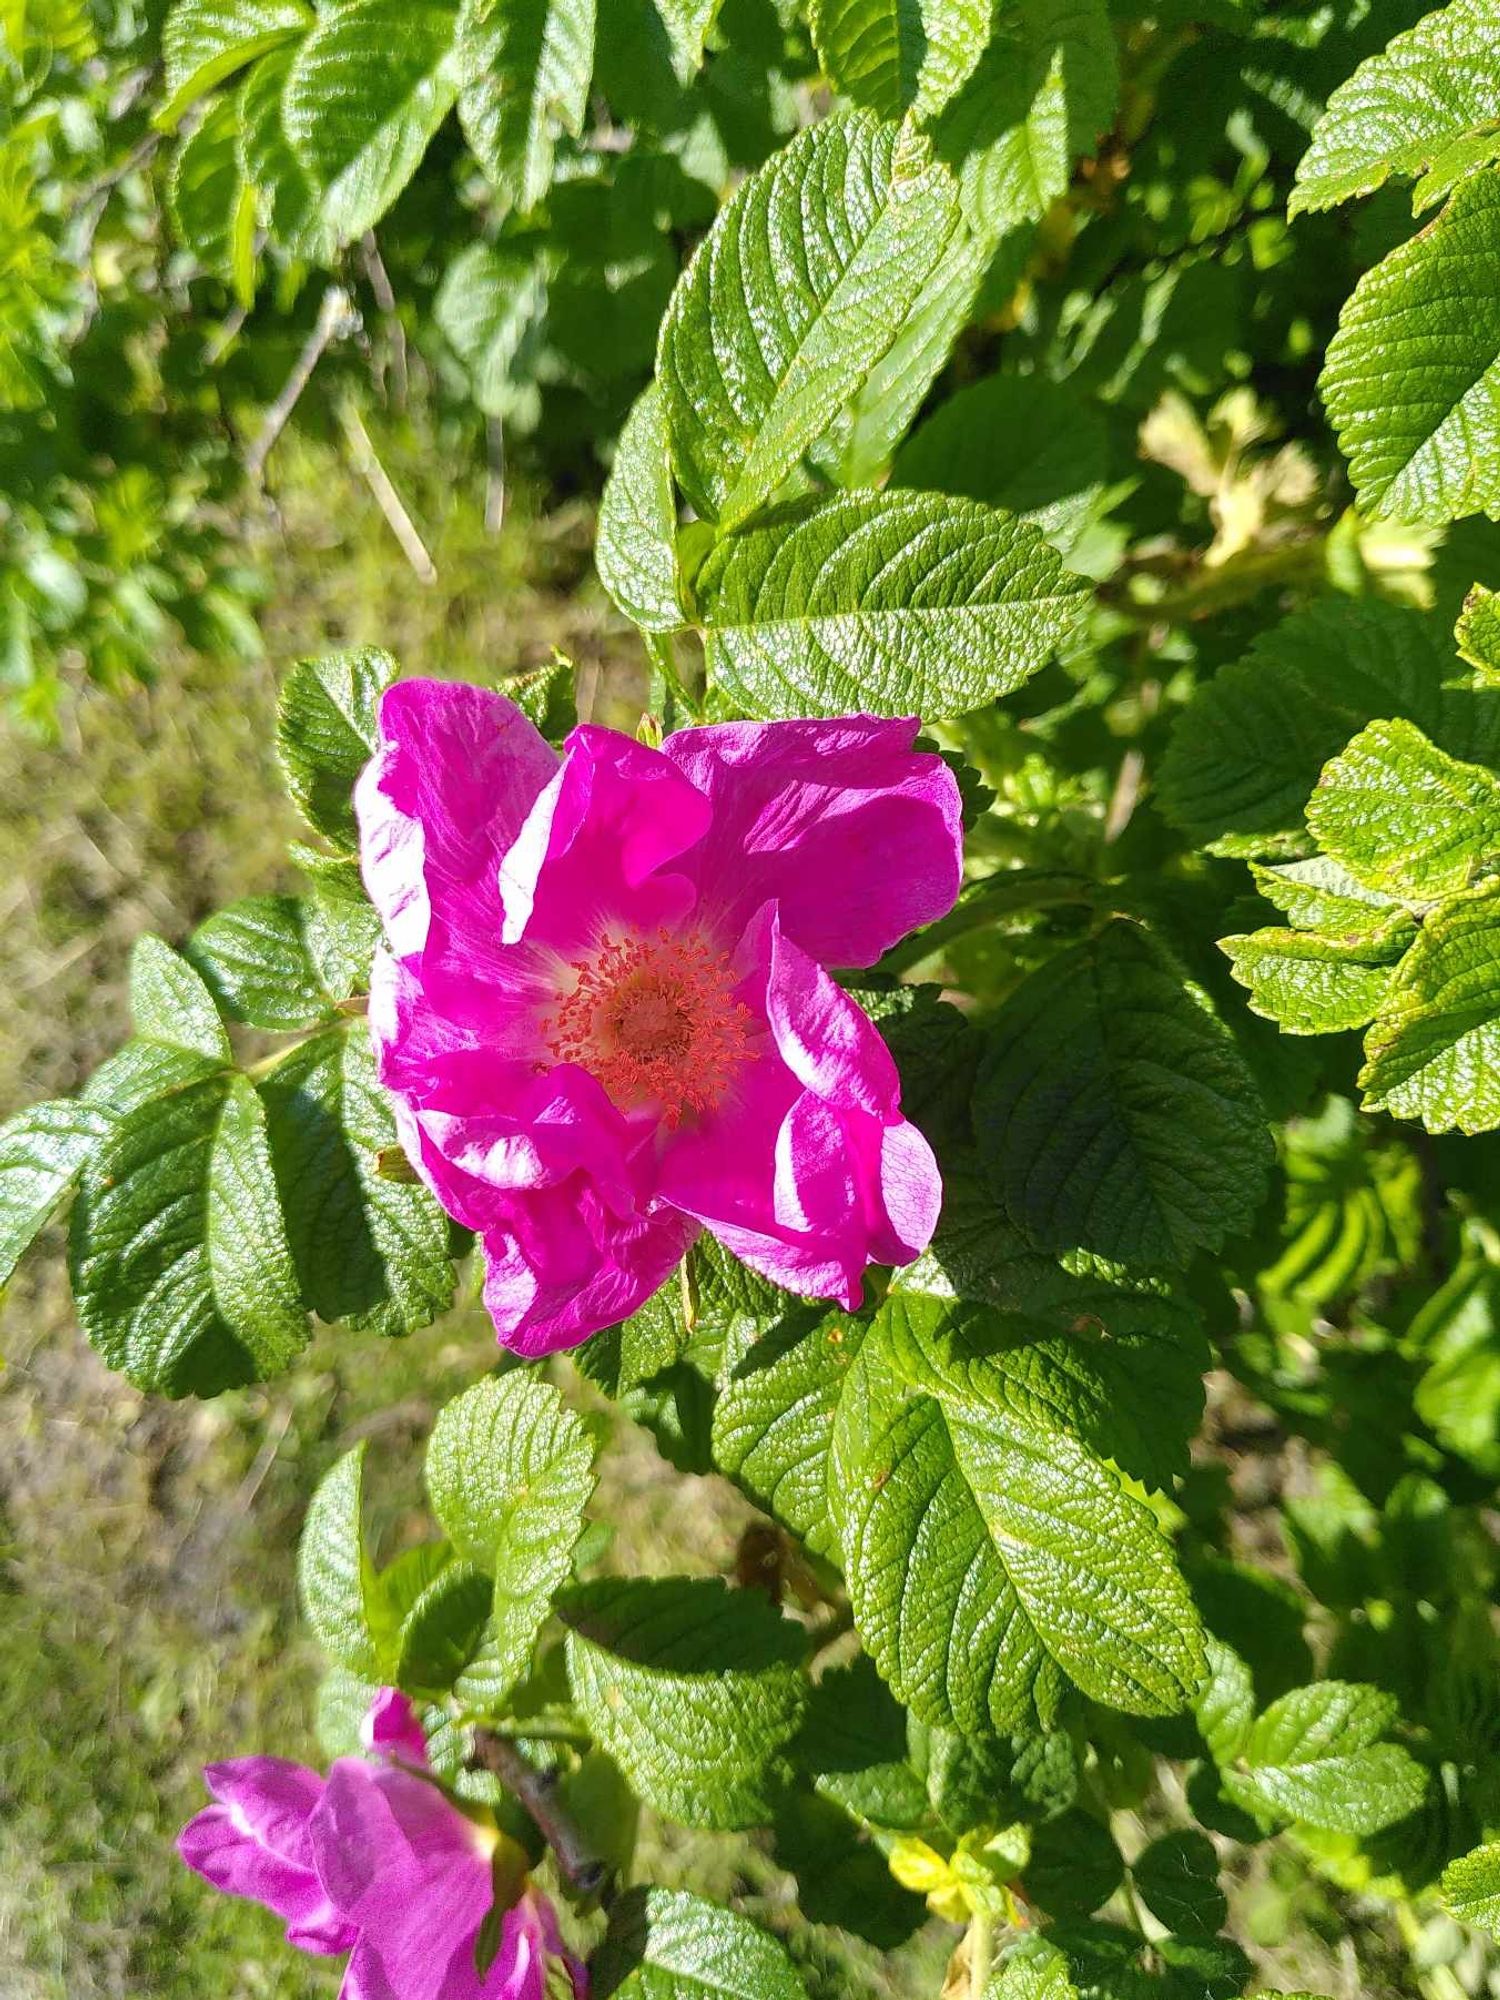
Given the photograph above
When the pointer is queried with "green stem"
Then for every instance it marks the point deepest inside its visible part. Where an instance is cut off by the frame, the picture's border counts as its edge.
(1233, 582)
(981, 1952)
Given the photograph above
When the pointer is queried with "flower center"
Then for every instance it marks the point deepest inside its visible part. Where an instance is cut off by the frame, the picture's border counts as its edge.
(655, 1020)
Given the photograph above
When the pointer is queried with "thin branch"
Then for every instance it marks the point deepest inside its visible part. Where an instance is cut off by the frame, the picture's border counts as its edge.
(336, 317)
(494, 485)
(537, 1791)
(385, 299)
(367, 464)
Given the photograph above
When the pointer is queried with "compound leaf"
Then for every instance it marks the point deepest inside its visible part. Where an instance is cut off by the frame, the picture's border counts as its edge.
(1316, 1757)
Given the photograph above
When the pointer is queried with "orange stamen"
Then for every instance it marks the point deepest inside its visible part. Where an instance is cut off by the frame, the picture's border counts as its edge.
(656, 1021)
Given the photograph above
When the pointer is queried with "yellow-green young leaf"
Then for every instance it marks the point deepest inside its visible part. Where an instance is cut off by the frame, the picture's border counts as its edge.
(213, 206)
(510, 1470)
(325, 734)
(694, 1690)
(289, 201)
(1032, 1969)
(1114, 1112)
(366, 91)
(180, 1266)
(1428, 104)
(369, 1250)
(1319, 895)
(1316, 1757)
(666, 1945)
(805, 282)
(1248, 749)
(169, 1002)
(1471, 1888)
(635, 549)
(340, 1593)
(1312, 984)
(1412, 378)
(1433, 1050)
(1404, 817)
(895, 56)
(42, 1153)
(204, 41)
(492, 309)
(1477, 634)
(527, 65)
(1042, 97)
(1034, 1564)
(891, 603)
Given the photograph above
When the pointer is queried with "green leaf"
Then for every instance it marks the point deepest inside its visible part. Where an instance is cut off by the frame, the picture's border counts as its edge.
(635, 549)
(1042, 96)
(1412, 378)
(1433, 1050)
(510, 1470)
(694, 1690)
(368, 89)
(169, 1002)
(1225, 1704)
(1033, 1560)
(1248, 750)
(369, 1250)
(1309, 984)
(687, 23)
(803, 284)
(255, 960)
(1477, 634)
(527, 66)
(1019, 442)
(894, 57)
(853, 1745)
(1316, 1757)
(204, 41)
(325, 732)
(1428, 104)
(1404, 817)
(1114, 1113)
(1032, 1969)
(666, 1945)
(443, 1630)
(774, 1419)
(213, 206)
(1178, 1876)
(1125, 1380)
(42, 1153)
(340, 1594)
(1457, 1335)
(290, 202)
(491, 307)
(1471, 1888)
(887, 603)
(1353, 1207)
(1320, 895)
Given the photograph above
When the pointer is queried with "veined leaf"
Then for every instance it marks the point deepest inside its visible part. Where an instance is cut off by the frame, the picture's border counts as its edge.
(1114, 1112)
(1312, 984)
(492, 308)
(255, 958)
(1412, 379)
(1433, 1050)
(1404, 817)
(1471, 1888)
(687, 23)
(510, 1469)
(1321, 895)
(213, 206)
(527, 67)
(290, 202)
(890, 603)
(803, 284)
(635, 549)
(1353, 1207)
(694, 1690)
(204, 41)
(666, 1945)
(42, 1153)
(366, 92)
(443, 1630)
(1428, 104)
(169, 1002)
(895, 57)
(1034, 1565)
(1316, 1757)
(1477, 634)
(181, 1271)
(1178, 1875)
(325, 734)
(336, 1578)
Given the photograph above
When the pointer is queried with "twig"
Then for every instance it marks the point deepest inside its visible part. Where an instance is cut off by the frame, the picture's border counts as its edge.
(537, 1792)
(336, 317)
(385, 298)
(367, 464)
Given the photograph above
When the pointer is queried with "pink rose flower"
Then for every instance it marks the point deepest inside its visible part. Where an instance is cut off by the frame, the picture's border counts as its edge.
(377, 1861)
(604, 1013)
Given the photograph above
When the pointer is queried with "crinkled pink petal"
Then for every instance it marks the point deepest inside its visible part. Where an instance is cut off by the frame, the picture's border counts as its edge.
(391, 1729)
(858, 837)
(458, 770)
(826, 1040)
(594, 853)
(254, 1841)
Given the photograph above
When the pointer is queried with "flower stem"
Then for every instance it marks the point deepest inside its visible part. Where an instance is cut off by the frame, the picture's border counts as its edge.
(536, 1790)
(981, 1952)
